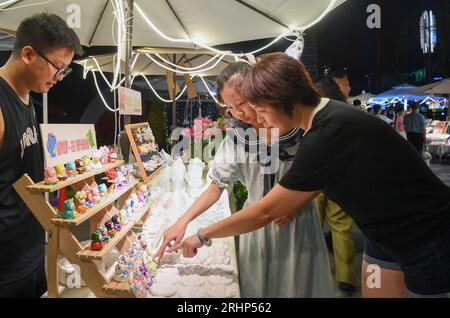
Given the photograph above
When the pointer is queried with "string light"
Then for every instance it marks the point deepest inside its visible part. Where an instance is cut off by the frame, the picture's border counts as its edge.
(159, 97)
(288, 32)
(101, 95)
(4, 4)
(181, 72)
(209, 91)
(191, 68)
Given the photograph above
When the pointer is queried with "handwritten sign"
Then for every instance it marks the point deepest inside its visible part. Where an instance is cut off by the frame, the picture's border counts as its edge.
(67, 142)
(130, 102)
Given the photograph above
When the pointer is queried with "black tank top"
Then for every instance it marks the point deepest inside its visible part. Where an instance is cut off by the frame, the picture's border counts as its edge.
(22, 239)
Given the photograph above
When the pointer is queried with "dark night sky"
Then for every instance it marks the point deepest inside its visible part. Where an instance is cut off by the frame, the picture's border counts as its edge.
(341, 39)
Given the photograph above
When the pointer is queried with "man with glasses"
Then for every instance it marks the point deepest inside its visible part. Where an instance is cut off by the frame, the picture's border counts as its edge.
(42, 53)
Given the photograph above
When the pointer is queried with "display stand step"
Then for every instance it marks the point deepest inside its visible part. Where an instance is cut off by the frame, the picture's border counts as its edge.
(121, 289)
(42, 187)
(96, 208)
(88, 254)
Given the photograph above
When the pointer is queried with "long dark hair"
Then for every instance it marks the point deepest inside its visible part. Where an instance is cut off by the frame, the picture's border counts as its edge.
(232, 75)
(328, 88)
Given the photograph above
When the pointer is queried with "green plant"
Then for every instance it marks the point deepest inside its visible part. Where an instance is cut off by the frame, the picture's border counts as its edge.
(240, 194)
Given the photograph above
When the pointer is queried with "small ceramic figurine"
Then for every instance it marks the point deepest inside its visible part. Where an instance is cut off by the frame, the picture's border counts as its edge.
(129, 204)
(104, 237)
(110, 227)
(96, 241)
(50, 176)
(123, 220)
(80, 202)
(71, 169)
(80, 166)
(95, 192)
(117, 225)
(105, 155)
(69, 210)
(89, 199)
(122, 268)
(87, 163)
(96, 164)
(112, 155)
(142, 241)
(61, 172)
(103, 190)
(112, 175)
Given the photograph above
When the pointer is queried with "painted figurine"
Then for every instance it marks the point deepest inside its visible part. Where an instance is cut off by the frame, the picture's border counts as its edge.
(117, 225)
(112, 155)
(50, 176)
(96, 241)
(103, 190)
(96, 164)
(105, 155)
(69, 210)
(87, 163)
(95, 192)
(122, 217)
(112, 175)
(80, 202)
(110, 227)
(61, 172)
(80, 166)
(71, 169)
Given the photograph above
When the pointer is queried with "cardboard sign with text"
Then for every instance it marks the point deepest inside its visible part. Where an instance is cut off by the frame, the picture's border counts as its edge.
(67, 142)
(130, 102)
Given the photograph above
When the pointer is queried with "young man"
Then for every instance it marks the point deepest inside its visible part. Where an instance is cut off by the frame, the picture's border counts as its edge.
(43, 50)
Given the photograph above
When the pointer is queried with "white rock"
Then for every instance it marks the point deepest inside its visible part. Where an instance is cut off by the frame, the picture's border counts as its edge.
(163, 290)
(192, 280)
(220, 280)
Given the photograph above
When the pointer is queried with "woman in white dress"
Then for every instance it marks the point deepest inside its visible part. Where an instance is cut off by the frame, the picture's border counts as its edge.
(287, 258)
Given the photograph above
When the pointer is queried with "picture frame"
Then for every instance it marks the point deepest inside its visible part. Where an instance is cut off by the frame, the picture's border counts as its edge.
(144, 148)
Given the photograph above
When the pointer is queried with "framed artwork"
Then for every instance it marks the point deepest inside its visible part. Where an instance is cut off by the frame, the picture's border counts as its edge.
(145, 149)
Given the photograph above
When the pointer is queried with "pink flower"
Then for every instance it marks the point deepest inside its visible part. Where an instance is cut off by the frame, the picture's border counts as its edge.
(186, 132)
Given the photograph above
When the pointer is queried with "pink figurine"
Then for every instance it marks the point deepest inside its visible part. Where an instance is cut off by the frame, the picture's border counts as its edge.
(112, 155)
(50, 176)
(105, 155)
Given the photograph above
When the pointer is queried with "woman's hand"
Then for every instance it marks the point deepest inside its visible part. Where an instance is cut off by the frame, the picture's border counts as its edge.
(172, 238)
(284, 220)
(190, 246)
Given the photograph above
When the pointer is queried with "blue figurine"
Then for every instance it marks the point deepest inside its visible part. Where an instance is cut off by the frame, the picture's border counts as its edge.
(69, 210)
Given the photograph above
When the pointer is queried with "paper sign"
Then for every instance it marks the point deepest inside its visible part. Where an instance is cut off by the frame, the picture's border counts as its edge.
(67, 142)
(130, 102)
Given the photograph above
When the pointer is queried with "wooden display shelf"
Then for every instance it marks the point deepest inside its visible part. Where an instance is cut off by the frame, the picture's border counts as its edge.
(121, 289)
(87, 254)
(95, 209)
(42, 187)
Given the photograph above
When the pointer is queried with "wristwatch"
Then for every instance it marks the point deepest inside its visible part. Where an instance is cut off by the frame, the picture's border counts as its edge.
(203, 239)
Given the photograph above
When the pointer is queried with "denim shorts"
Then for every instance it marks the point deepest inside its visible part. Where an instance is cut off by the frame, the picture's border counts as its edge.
(375, 254)
(426, 268)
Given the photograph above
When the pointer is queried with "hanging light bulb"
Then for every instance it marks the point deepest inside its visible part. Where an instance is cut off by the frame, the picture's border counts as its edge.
(295, 50)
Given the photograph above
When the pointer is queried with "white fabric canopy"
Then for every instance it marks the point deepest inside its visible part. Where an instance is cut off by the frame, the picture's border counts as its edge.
(143, 65)
(212, 22)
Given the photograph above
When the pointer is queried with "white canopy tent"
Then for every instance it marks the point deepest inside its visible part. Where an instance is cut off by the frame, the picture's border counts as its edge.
(211, 22)
(172, 23)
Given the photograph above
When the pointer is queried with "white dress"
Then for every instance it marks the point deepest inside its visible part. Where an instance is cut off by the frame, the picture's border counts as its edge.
(275, 262)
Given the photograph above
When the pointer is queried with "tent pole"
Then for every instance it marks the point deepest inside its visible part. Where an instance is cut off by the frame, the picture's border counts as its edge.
(45, 108)
(128, 49)
(174, 102)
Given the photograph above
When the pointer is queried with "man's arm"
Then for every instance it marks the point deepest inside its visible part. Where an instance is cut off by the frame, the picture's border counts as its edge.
(277, 203)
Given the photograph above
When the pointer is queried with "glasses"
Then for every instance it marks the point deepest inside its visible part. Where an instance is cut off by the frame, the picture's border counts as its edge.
(59, 71)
